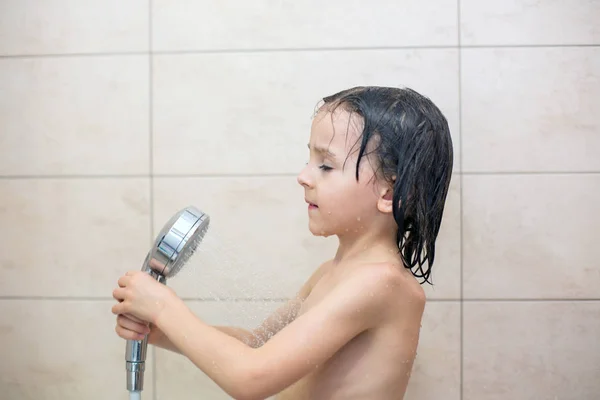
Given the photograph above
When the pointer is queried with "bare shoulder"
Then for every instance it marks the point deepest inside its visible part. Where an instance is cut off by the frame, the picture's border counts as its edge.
(391, 287)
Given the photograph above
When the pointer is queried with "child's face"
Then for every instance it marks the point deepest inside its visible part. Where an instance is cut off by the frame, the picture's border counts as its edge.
(340, 205)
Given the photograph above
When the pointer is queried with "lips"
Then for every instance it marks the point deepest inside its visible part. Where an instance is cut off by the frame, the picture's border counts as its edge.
(311, 205)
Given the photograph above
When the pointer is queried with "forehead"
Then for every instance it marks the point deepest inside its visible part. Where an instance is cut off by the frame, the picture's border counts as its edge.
(338, 129)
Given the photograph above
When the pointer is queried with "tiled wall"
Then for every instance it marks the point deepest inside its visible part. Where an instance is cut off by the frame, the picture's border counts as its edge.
(113, 115)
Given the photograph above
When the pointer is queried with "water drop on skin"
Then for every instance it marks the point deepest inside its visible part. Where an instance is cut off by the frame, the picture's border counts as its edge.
(358, 219)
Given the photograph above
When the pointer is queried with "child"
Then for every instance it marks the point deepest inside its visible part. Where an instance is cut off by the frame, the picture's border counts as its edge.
(377, 177)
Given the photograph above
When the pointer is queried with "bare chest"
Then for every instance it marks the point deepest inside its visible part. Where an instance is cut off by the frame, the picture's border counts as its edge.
(357, 371)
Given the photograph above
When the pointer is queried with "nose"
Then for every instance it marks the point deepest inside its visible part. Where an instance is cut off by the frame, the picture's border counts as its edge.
(304, 178)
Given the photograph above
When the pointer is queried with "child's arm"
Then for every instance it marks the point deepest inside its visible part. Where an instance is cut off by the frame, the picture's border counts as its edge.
(269, 327)
(253, 338)
(260, 335)
(246, 373)
(279, 319)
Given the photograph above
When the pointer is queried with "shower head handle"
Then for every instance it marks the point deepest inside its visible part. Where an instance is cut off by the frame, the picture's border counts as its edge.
(174, 245)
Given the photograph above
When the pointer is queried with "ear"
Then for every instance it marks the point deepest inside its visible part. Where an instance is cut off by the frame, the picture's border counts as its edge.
(385, 200)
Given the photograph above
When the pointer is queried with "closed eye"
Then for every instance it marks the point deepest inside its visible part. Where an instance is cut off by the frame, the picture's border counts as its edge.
(325, 167)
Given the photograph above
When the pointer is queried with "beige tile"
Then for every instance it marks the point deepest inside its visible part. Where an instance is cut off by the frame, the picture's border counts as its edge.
(446, 267)
(307, 24)
(258, 244)
(531, 109)
(518, 22)
(250, 113)
(62, 350)
(531, 236)
(73, 26)
(438, 355)
(74, 115)
(436, 373)
(531, 350)
(71, 237)
(189, 382)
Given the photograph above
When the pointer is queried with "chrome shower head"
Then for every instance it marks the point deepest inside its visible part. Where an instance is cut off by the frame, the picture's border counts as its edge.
(176, 242)
(174, 245)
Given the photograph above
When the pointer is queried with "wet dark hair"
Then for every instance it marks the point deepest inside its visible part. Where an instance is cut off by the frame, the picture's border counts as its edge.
(414, 152)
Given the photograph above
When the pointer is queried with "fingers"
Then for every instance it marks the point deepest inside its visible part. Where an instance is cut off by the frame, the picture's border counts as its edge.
(128, 334)
(126, 322)
(120, 308)
(119, 294)
(135, 319)
(123, 281)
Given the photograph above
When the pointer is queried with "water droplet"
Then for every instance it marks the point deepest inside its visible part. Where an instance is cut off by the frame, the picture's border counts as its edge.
(358, 218)
(329, 213)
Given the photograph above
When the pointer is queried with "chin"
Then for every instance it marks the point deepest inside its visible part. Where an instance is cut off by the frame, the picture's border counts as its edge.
(318, 231)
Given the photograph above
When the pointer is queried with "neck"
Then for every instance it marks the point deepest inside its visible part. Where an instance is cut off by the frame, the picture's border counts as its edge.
(362, 244)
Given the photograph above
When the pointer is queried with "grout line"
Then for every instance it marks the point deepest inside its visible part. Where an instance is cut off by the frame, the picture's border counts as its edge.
(275, 175)
(57, 298)
(241, 175)
(295, 50)
(538, 300)
(302, 49)
(466, 173)
(151, 165)
(82, 176)
(522, 46)
(154, 377)
(275, 300)
(72, 55)
(237, 299)
(460, 158)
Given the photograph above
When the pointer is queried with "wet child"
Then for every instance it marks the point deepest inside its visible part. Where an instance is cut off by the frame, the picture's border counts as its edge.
(377, 177)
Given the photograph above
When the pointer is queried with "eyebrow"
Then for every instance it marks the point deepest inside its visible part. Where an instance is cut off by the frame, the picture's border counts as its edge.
(322, 150)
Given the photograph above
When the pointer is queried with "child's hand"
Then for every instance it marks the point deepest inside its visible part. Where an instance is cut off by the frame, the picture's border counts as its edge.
(141, 296)
(131, 328)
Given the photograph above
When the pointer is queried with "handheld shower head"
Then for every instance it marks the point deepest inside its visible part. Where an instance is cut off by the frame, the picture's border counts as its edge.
(176, 242)
(174, 245)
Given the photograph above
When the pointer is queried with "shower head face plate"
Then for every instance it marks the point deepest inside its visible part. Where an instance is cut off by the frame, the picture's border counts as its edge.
(177, 241)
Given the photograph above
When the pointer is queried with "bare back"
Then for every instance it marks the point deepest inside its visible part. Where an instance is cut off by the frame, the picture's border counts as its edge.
(377, 363)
